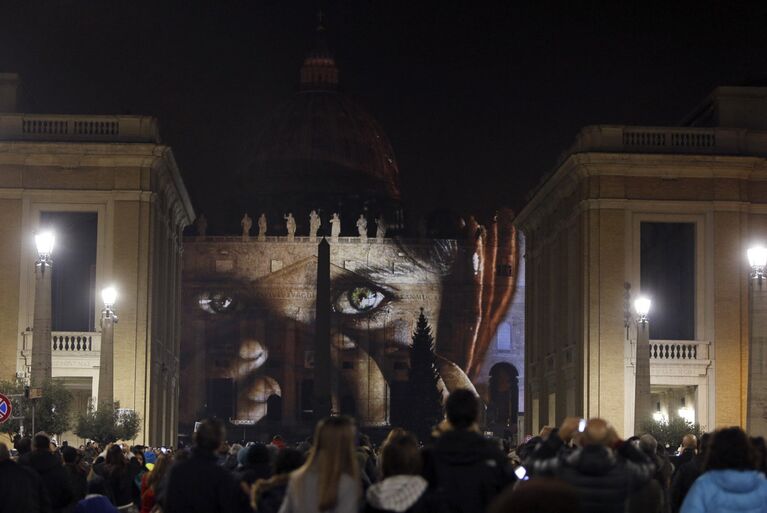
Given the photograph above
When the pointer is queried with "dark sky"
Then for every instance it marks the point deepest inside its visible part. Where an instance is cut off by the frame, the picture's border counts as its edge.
(477, 98)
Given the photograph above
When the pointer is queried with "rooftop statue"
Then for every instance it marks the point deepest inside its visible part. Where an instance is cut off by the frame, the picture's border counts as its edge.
(201, 223)
(362, 228)
(380, 228)
(335, 227)
(314, 225)
(290, 224)
(262, 227)
(246, 224)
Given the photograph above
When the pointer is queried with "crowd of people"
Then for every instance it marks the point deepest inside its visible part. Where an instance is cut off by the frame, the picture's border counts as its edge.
(582, 466)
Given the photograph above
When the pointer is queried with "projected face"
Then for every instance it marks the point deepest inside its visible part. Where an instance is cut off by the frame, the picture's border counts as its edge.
(376, 294)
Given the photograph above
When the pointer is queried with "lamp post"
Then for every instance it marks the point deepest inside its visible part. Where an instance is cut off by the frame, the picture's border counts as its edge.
(106, 361)
(642, 398)
(41, 324)
(756, 413)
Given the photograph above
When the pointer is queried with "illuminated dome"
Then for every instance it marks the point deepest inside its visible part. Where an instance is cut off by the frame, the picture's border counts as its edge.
(321, 149)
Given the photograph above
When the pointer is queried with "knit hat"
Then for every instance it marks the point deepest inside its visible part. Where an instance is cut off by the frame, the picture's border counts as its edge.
(150, 457)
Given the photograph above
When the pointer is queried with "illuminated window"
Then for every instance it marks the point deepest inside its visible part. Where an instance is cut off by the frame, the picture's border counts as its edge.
(503, 337)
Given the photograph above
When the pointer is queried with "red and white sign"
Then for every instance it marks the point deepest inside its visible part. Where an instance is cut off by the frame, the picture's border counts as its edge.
(5, 408)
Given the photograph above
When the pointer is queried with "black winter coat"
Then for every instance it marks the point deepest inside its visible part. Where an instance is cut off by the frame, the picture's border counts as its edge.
(78, 481)
(50, 468)
(200, 485)
(683, 480)
(604, 478)
(465, 471)
(22, 489)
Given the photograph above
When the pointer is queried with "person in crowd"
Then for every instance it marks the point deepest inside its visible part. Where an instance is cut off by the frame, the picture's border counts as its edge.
(23, 446)
(760, 450)
(366, 459)
(393, 433)
(329, 481)
(278, 442)
(96, 500)
(402, 489)
(232, 460)
(51, 470)
(730, 482)
(198, 484)
(268, 494)
(119, 475)
(539, 495)
(76, 472)
(21, 489)
(152, 481)
(604, 470)
(686, 475)
(463, 467)
(255, 463)
(686, 451)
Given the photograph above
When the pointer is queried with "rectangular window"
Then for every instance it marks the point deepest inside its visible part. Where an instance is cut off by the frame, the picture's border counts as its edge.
(503, 337)
(74, 269)
(667, 273)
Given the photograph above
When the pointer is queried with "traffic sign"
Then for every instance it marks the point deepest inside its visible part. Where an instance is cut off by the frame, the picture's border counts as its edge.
(5, 408)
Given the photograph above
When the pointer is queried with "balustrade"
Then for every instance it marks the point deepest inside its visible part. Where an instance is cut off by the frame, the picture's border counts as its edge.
(678, 350)
(76, 341)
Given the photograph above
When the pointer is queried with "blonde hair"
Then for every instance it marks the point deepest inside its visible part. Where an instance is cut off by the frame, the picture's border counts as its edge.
(332, 456)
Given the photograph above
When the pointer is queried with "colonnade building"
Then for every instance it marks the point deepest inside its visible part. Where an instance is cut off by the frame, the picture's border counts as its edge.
(666, 212)
(113, 195)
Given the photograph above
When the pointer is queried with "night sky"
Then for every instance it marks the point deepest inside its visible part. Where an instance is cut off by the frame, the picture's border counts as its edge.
(478, 99)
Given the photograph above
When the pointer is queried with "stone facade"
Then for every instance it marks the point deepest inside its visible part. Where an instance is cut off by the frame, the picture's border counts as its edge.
(113, 166)
(249, 325)
(582, 229)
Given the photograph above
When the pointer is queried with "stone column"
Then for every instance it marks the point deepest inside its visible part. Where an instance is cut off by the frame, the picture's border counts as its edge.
(642, 399)
(41, 328)
(106, 360)
(322, 362)
(756, 422)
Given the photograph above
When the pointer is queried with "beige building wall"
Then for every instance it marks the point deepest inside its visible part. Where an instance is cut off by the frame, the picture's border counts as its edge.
(116, 167)
(582, 234)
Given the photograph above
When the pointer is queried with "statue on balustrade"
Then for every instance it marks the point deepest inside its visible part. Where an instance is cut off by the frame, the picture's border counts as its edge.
(246, 224)
(380, 228)
(314, 225)
(362, 228)
(335, 227)
(262, 227)
(290, 224)
(201, 223)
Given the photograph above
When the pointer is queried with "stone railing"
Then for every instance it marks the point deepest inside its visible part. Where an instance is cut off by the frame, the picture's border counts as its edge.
(682, 140)
(43, 127)
(76, 341)
(678, 350)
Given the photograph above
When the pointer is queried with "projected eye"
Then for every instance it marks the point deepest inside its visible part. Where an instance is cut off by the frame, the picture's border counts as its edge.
(356, 300)
(215, 303)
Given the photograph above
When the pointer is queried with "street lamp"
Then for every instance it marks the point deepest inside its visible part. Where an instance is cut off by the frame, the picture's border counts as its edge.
(756, 424)
(757, 259)
(642, 397)
(41, 323)
(106, 360)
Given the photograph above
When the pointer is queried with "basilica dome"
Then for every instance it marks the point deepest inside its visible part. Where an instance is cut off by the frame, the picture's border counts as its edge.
(323, 141)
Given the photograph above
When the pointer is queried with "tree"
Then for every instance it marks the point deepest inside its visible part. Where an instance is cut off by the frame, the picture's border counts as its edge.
(52, 411)
(669, 434)
(423, 394)
(108, 423)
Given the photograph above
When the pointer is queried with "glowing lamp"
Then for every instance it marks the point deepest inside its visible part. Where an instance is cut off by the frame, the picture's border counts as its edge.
(109, 296)
(44, 242)
(642, 307)
(757, 259)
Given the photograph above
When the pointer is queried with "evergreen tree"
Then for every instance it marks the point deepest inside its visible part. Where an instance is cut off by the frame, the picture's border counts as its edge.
(424, 399)
(53, 410)
(108, 423)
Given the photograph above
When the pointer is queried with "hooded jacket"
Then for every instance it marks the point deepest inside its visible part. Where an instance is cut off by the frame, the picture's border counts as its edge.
(399, 494)
(465, 470)
(22, 489)
(51, 470)
(727, 491)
